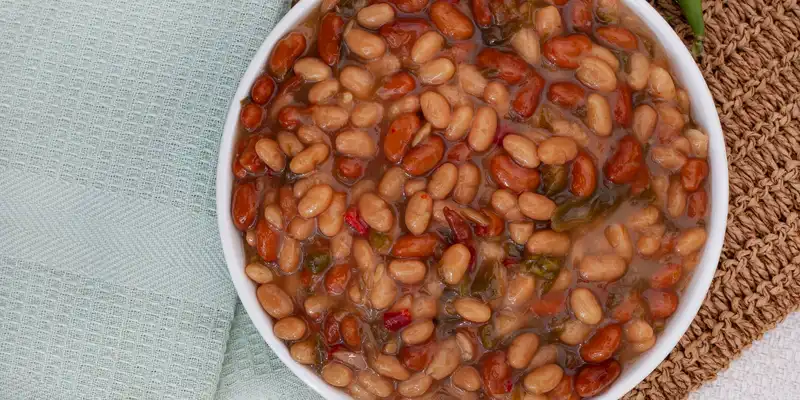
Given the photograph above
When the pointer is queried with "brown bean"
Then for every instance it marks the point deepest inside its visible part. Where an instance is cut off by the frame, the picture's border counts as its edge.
(259, 273)
(423, 158)
(598, 115)
(376, 212)
(309, 158)
(496, 95)
(415, 386)
(522, 150)
(548, 242)
(357, 80)
(331, 221)
(391, 184)
(374, 383)
(337, 374)
(620, 241)
(436, 109)
(418, 213)
(483, 130)
(375, 16)
(290, 328)
(315, 201)
(270, 154)
(660, 83)
(366, 115)
(526, 43)
(301, 228)
(274, 300)
(536, 206)
(676, 198)
(592, 379)
(574, 332)
(547, 21)
(644, 122)
(602, 345)
(445, 360)
(471, 80)
(638, 330)
(304, 352)
(454, 263)
(436, 72)
(504, 202)
(557, 150)
(543, 379)
(602, 268)
(399, 135)
(639, 71)
(418, 332)
(451, 21)
(596, 74)
(467, 378)
(285, 53)
(522, 349)
(460, 123)
(585, 306)
(466, 188)
(690, 241)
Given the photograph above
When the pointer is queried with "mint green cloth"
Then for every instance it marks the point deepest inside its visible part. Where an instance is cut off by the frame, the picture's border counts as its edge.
(112, 281)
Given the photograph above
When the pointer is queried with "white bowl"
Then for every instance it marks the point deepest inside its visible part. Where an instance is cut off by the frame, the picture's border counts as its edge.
(703, 112)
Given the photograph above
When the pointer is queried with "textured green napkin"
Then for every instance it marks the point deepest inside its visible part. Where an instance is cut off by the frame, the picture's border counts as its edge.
(112, 281)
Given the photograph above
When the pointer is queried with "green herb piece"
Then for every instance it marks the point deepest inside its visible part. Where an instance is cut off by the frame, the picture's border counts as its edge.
(485, 282)
(546, 267)
(379, 241)
(317, 262)
(582, 211)
(486, 335)
(554, 178)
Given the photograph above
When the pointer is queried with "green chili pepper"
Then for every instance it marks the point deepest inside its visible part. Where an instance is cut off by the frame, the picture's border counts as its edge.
(318, 262)
(542, 266)
(582, 211)
(554, 178)
(379, 241)
(485, 280)
(486, 335)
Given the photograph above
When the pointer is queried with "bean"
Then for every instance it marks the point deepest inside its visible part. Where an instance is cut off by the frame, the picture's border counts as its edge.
(574, 332)
(364, 44)
(418, 213)
(285, 53)
(620, 241)
(495, 373)
(259, 273)
(562, 281)
(445, 360)
(648, 245)
(602, 268)
(408, 272)
(472, 310)
(471, 80)
(668, 157)
(455, 96)
(547, 21)
(466, 188)
(443, 180)
(436, 109)
(312, 69)
(638, 330)
(315, 201)
(423, 307)
(522, 349)
(289, 143)
(340, 245)
(543, 379)
(504, 202)
(454, 263)
(418, 332)
(376, 212)
(390, 367)
(290, 328)
(323, 91)
(270, 154)
(693, 173)
(526, 43)
(598, 115)
(304, 352)
(522, 150)
(332, 219)
(520, 232)
(690, 241)
(676, 198)
(484, 127)
(424, 157)
(548, 242)
(671, 121)
(467, 378)
(557, 150)
(301, 228)
(644, 218)
(308, 159)
(605, 55)
(414, 186)
(357, 80)
(250, 238)
(436, 72)
(496, 95)
(438, 209)
(384, 290)
(639, 71)
(681, 144)
(375, 16)
(391, 184)
(660, 83)
(398, 137)
(585, 306)
(315, 306)
(451, 21)
(337, 374)
(329, 118)
(698, 141)
(356, 143)
(572, 130)
(357, 391)
(366, 115)
(274, 301)
(301, 187)
(566, 94)
(536, 206)
(415, 386)
(426, 47)
(364, 256)
(596, 74)
(289, 256)
(374, 383)
(386, 65)
(641, 347)
(459, 123)
(262, 89)
(466, 345)
(594, 378)
(644, 122)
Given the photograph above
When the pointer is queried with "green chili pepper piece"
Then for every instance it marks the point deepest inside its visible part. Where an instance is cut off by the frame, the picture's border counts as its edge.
(554, 178)
(379, 241)
(318, 262)
(485, 333)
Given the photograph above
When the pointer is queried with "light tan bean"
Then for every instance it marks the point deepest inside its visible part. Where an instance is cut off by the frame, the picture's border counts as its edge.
(460, 123)
(602, 268)
(414, 186)
(557, 150)
(366, 114)
(341, 244)
(522, 150)
(359, 393)
(638, 330)
(596, 74)
(423, 307)
(309, 158)
(436, 72)
(250, 237)
(386, 65)
(472, 310)
(415, 386)
(364, 256)
(574, 332)
(455, 96)
(644, 218)
(660, 184)
(641, 347)
(323, 91)
(356, 143)
(489, 250)
(311, 134)
(454, 263)
(407, 104)
(375, 16)
(543, 379)
(522, 349)
(504, 202)
(391, 185)
(496, 95)
(605, 55)
(644, 122)
(418, 213)
(520, 232)
(572, 130)
(374, 383)
(684, 103)
(418, 332)
(484, 126)
(562, 281)
(676, 198)
(364, 44)
(409, 272)
(329, 118)
(301, 228)
(445, 360)
(526, 43)
(390, 367)
(471, 80)
(466, 345)
(435, 109)
(312, 69)
(289, 255)
(315, 201)
(698, 141)
(598, 115)
(331, 221)
(547, 354)
(289, 143)
(376, 212)
(274, 216)
(681, 144)
(548, 242)
(690, 241)
(426, 47)
(469, 178)
(438, 209)
(443, 180)
(357, 80)
(520, 290)
(384, 290)
(507, 322)
(361, 187)
(337, 374)
(547, 21)
(467, 378)
(345, 100)
(270, 153)
(639, 71)
(304, 352)
(536, 206)
(274, 300)
(585, 306)
(259, 273)
(290, 328)
(648, 245)
(620, 241)
(668, 157)
(301, 187)
(660, 83)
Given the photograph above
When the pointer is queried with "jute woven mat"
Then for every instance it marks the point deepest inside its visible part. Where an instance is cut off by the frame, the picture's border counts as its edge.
(752, 65)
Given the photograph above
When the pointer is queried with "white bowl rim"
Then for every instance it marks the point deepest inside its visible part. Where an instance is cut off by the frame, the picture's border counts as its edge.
(703, 109)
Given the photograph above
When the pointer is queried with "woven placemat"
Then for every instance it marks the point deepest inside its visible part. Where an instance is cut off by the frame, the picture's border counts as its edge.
(751, 62)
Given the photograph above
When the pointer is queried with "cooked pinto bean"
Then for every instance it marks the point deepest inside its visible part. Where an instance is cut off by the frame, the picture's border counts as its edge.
(466, 188)
(484, 126)
(436, 109)
(543, 379)
(426, 47)
(376, 212)
(557, 150)
(585, 306)
(522, 349)
(548, 242)
(472, 310)
(522, 150)
(536, 206)
(436, 72)
(602, 268)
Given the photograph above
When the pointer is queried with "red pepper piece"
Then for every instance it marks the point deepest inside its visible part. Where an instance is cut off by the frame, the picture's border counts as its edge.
(457, 224)
(355, 221)
(396, 320)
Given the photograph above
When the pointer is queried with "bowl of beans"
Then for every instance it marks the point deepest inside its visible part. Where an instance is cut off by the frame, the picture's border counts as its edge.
(472, 199)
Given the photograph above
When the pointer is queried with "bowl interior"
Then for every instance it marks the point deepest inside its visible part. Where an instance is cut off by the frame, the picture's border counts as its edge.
(703, 112)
